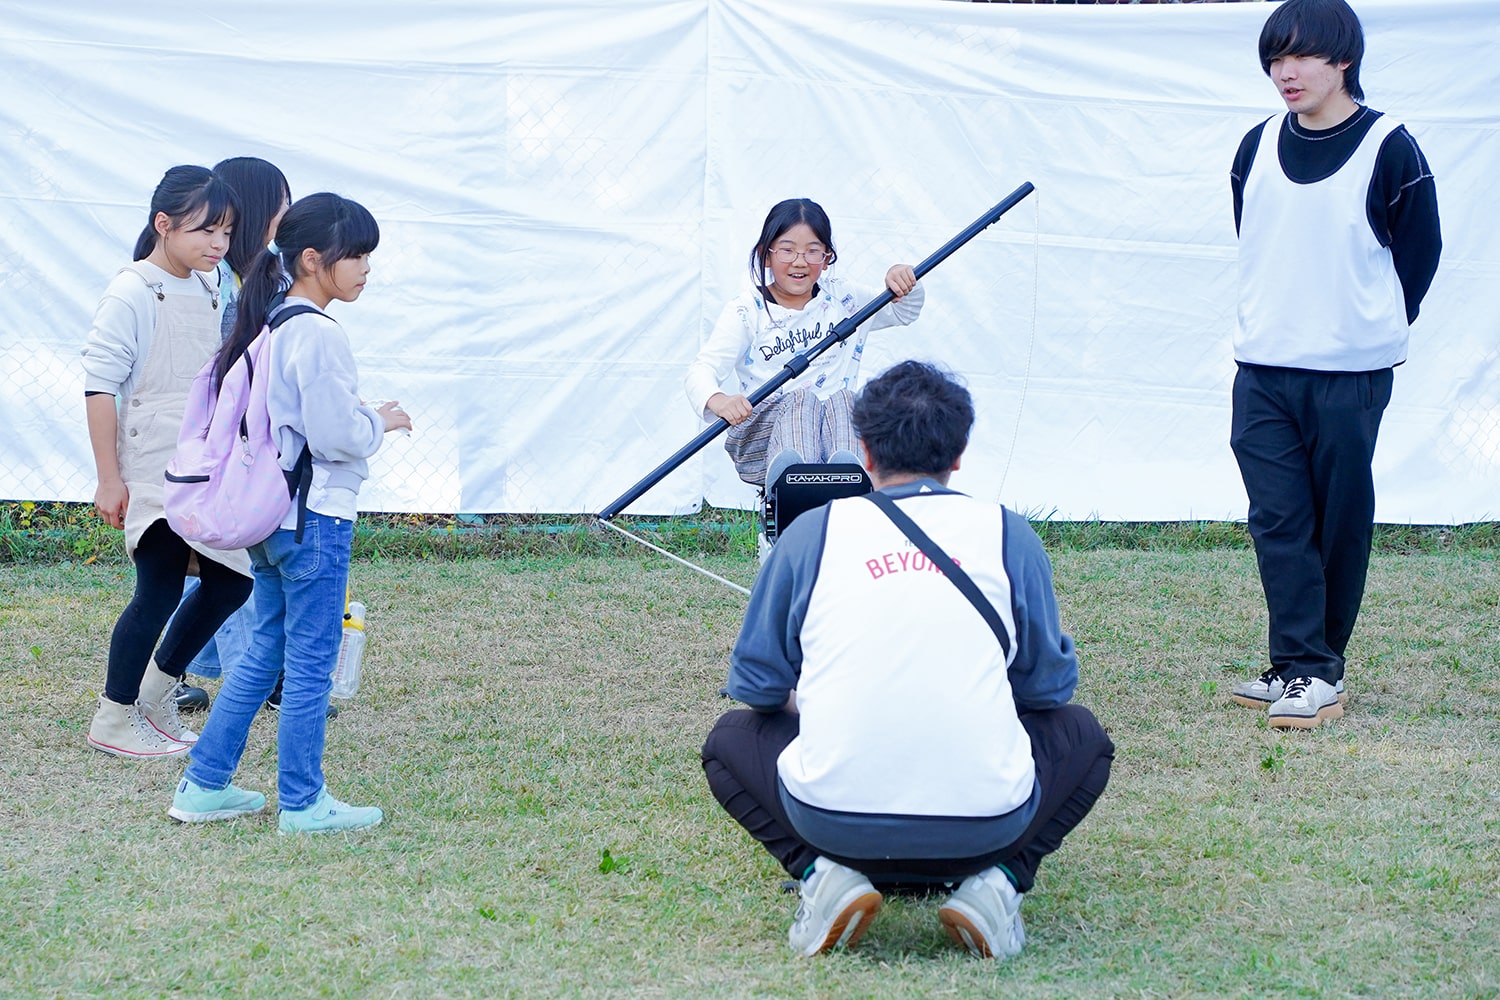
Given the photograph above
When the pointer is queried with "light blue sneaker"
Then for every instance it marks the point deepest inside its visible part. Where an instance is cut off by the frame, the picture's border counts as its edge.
(777, 465)
(327, 814)
(844, 457)
(192, 803)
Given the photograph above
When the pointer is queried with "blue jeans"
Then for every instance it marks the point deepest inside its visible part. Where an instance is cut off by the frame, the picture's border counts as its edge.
(299, 606)
(227, 647)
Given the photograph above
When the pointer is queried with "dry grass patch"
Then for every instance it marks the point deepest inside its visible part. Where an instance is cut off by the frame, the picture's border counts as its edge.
(532, 730)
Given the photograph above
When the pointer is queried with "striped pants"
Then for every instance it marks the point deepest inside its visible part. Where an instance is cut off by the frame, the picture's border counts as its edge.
(814, 428)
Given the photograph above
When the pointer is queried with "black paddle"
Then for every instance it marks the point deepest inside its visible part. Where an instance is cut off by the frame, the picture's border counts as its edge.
(799, 362)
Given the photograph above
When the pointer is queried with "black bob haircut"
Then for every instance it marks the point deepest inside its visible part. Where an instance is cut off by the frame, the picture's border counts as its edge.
(783, 216)
(1328, 29)
(913, 418)
(261, 187)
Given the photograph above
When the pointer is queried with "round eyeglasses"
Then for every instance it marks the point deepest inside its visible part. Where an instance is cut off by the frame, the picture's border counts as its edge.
(813, 257)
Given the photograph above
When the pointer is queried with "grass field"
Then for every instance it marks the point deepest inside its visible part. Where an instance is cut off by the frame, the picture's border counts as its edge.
(531, 727)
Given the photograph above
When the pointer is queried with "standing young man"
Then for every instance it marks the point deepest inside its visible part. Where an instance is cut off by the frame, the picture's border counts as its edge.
(1337, 218)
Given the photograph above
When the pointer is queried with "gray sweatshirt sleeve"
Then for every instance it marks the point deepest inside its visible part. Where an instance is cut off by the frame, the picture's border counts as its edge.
(767, 659)
(119, 337)
(1045, 670)
(321, 387)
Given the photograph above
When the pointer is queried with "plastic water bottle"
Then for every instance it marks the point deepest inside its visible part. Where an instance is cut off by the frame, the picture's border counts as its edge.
(351, 651)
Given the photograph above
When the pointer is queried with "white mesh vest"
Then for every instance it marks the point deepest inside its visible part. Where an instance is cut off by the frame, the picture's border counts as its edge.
(1317, 290)
(906, 705)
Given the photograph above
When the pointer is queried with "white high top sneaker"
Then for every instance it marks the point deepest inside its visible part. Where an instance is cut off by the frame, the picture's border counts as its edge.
(158, 702)
(123, 731)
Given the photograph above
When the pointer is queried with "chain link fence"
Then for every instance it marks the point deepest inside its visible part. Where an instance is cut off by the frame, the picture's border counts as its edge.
(562, 222)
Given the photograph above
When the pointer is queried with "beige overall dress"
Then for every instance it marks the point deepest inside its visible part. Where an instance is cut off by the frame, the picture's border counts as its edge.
(185, 336)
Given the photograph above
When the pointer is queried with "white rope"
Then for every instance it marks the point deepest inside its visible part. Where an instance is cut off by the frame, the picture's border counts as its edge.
(657, 548)
(1036, 254)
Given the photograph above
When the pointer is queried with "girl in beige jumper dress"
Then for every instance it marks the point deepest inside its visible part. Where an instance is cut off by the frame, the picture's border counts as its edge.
(155, 327)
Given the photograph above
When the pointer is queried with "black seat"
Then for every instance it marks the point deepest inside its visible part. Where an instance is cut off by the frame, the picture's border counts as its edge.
(806, 486)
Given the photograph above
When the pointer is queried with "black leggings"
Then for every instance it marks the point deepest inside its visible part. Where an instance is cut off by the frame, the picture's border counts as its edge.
(161, 564)
(1072, 754)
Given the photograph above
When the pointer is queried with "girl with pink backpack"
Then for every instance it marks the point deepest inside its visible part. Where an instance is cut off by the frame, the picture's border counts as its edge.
(264, 196)
(324, 243)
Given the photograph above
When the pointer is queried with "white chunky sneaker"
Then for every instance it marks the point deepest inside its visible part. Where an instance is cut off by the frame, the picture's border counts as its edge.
(837, 905)
(1266, 689)
(1305, 703)
(984, 915)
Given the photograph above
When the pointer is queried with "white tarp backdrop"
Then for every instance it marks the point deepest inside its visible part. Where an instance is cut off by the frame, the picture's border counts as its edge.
(568, 192)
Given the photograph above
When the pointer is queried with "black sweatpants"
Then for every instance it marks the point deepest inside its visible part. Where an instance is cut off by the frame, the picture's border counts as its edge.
(161, 564)
(1071, 750)
(1305, 441)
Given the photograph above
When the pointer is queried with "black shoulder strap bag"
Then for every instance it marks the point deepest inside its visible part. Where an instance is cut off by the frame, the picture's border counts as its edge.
(944, 562)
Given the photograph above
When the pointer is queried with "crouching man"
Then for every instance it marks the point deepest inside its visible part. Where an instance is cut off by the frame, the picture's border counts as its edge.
(903, 729)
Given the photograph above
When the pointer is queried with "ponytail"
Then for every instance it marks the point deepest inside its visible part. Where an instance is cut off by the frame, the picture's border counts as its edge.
(182, 193)
(335, 227)
(262, 281)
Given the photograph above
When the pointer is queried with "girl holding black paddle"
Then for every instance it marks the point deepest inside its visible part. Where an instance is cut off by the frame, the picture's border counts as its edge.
(794, 303)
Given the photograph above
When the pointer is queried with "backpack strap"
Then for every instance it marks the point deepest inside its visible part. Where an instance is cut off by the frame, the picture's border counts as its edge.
(944, 562)
(299, 476)
(282, 314)
(299, 483)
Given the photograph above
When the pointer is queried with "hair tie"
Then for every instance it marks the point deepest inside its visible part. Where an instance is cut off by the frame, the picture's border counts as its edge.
(273, 248)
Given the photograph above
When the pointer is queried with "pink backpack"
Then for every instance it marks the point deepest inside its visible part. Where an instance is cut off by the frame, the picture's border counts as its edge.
(225, 487)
